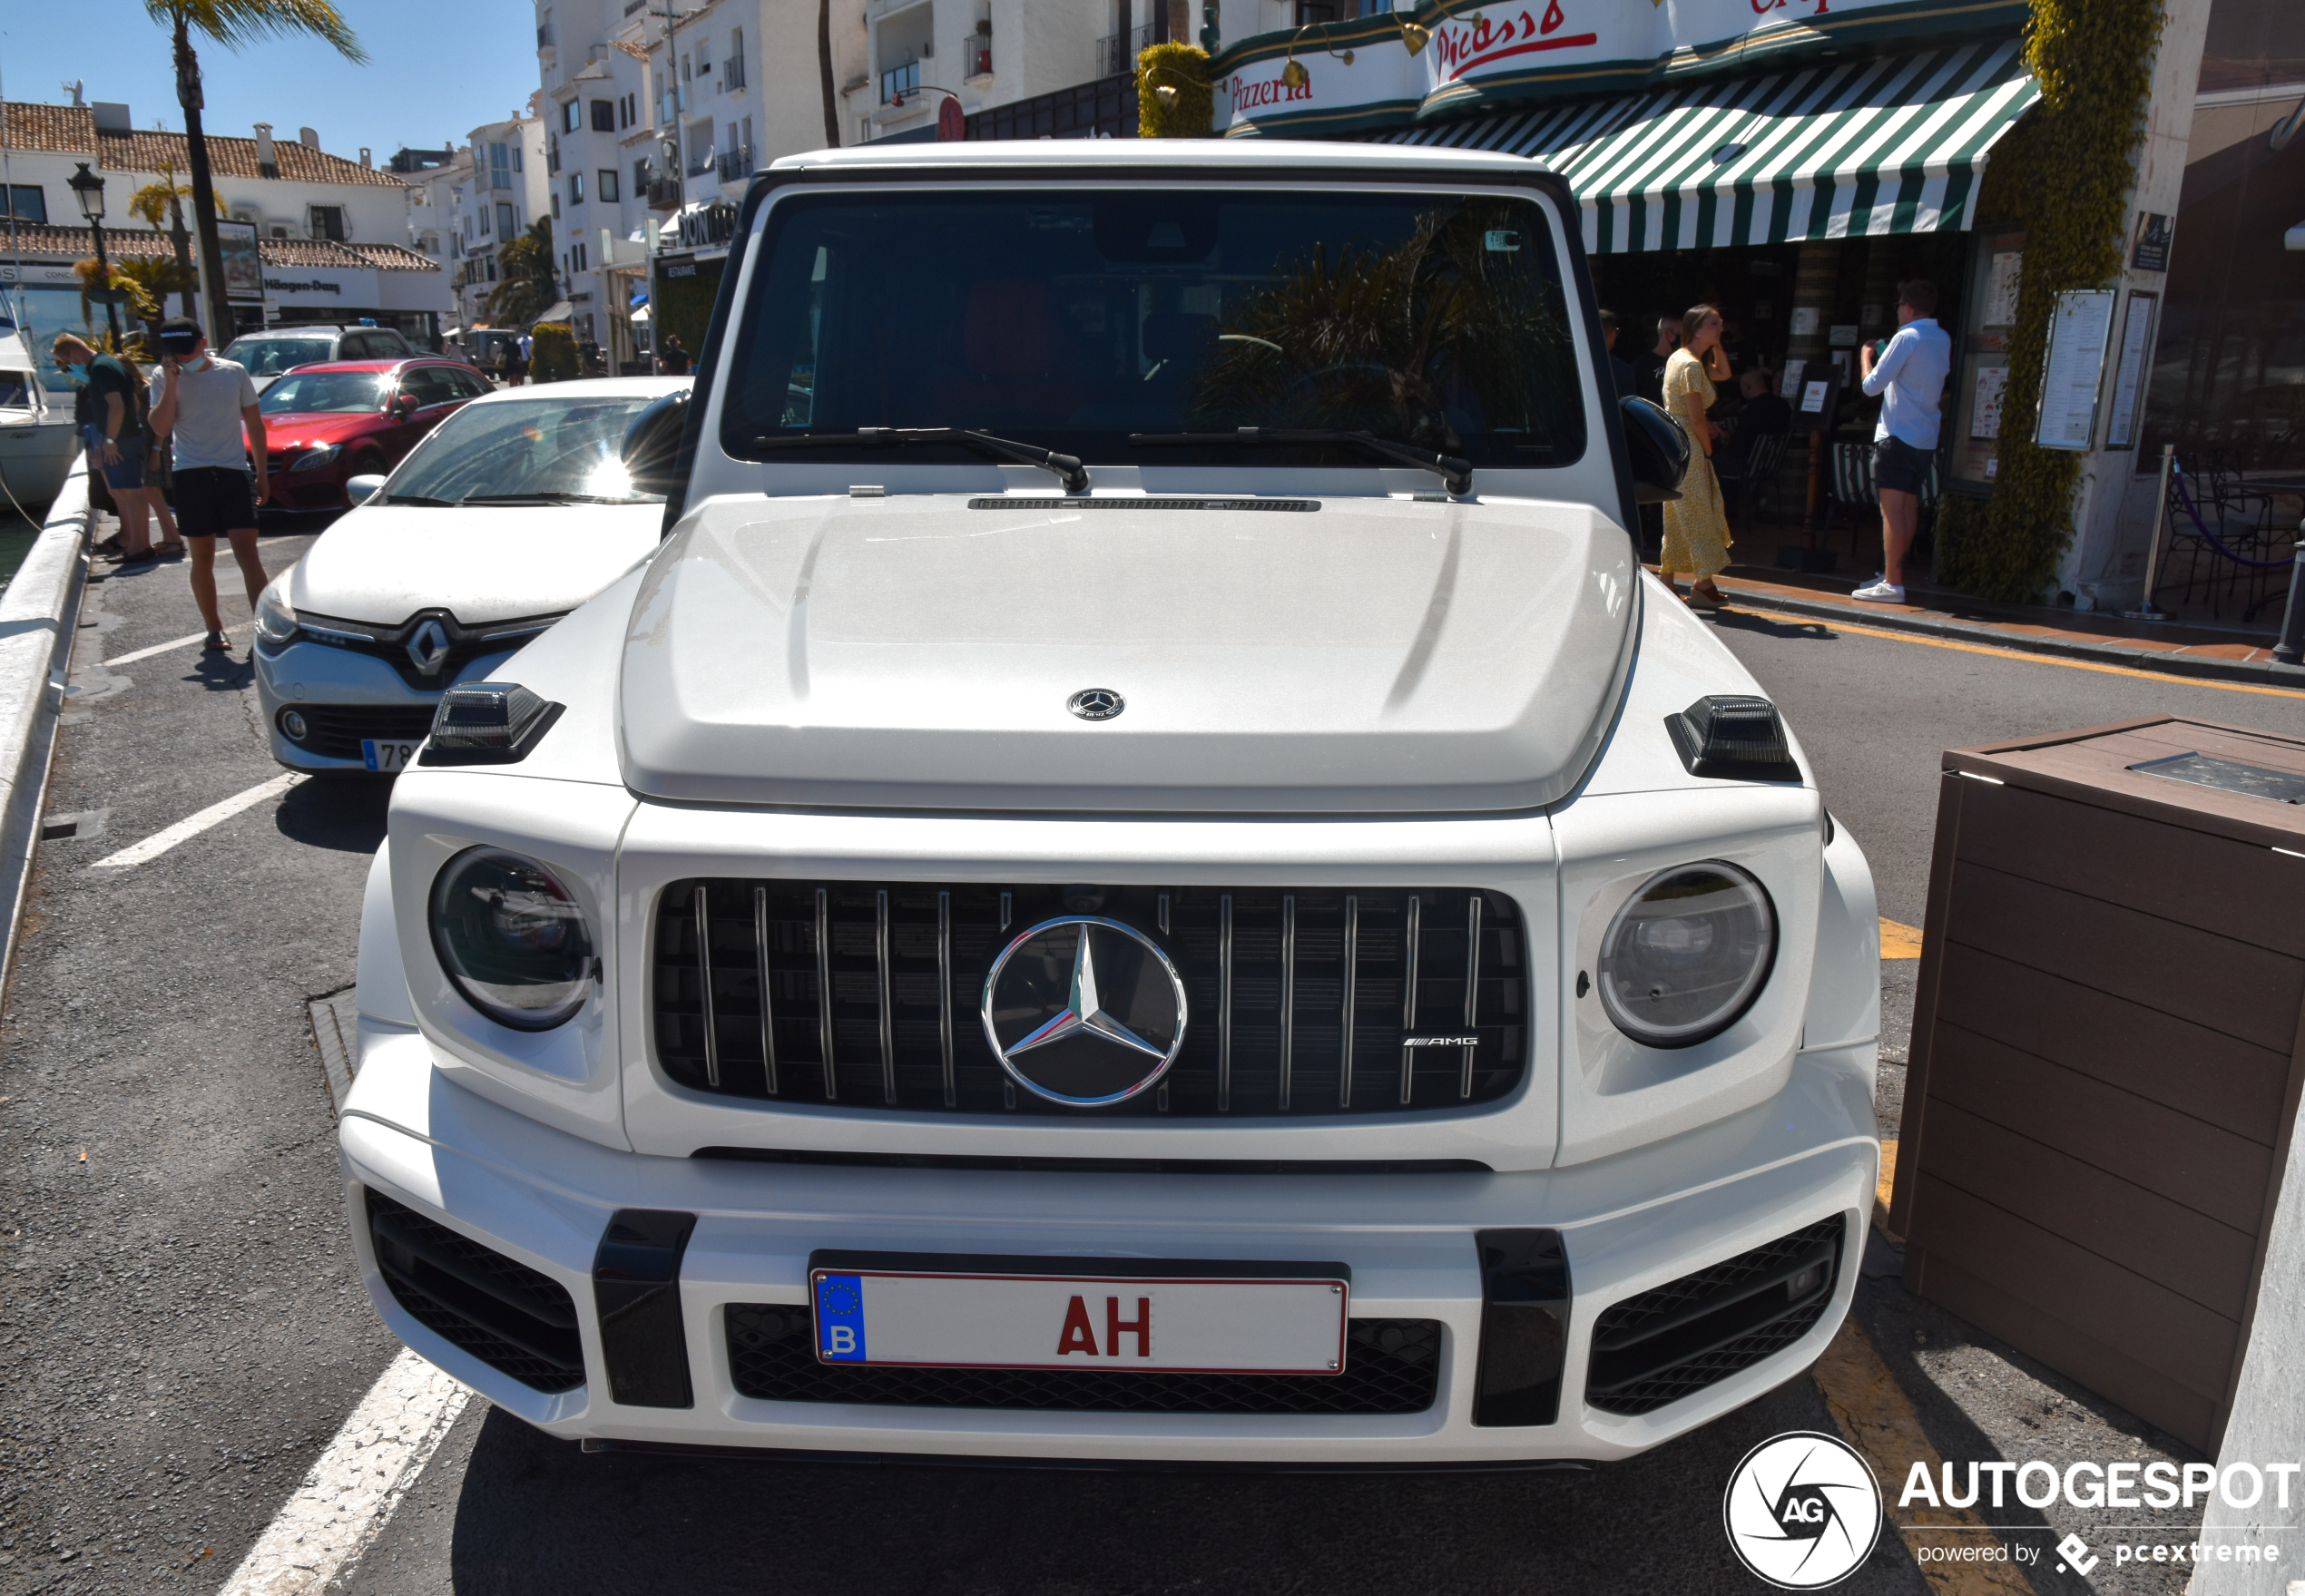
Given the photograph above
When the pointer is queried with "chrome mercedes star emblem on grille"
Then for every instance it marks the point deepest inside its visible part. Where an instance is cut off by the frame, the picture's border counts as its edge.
(1084, 1011)
(428, 646)
(1096, 703)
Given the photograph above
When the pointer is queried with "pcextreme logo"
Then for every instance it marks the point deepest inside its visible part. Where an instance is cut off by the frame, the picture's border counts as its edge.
(1802, 1510)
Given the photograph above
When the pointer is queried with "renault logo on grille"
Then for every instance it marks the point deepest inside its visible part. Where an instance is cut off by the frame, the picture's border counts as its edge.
(428, 647)
(1084, 1011)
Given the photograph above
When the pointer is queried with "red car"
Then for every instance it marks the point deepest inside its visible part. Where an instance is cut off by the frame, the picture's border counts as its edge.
(329, 422)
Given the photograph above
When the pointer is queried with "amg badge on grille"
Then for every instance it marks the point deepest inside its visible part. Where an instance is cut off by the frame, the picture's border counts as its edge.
(1084, 1011)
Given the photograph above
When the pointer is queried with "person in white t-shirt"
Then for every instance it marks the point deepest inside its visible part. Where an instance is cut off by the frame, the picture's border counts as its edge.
(206, 407)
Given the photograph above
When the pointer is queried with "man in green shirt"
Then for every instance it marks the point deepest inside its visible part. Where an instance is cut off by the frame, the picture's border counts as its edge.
(109, 411)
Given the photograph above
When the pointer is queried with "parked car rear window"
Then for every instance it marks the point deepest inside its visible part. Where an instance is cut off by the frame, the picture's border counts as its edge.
(519, 448)
(308, 392)
(270, 357)
(1073, 319)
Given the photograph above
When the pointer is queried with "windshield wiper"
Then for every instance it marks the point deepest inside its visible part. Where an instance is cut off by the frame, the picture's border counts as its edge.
(1455, 474)
(414, 499)
(1067, 467)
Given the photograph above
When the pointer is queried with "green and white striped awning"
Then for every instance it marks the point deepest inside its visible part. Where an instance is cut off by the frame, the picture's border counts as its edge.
(1835, 150)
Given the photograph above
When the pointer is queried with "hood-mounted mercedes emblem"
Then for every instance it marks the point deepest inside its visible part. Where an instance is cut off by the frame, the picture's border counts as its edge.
(1096, 703)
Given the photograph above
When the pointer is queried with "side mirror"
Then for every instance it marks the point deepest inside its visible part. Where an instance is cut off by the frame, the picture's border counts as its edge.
(1657, 450)
(405, 405)
(361, 489)
(653, 444)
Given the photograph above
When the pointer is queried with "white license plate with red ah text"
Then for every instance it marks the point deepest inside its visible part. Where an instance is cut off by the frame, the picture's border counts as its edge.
(1002, 1317)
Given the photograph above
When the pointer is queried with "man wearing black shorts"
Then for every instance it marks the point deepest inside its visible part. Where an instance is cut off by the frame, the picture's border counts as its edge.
(207, 403)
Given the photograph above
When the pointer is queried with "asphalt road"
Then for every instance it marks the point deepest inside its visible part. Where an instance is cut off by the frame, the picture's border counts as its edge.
(181, 1335)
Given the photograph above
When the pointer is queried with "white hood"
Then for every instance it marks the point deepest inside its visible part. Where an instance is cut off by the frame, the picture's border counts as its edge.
(383, 563)
(1372, 654)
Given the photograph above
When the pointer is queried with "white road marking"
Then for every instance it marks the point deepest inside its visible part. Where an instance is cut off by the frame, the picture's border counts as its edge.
(160, 842)
(350, 1496)
(161, 647)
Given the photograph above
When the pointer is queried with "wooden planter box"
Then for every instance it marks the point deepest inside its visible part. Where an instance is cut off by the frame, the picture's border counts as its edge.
(2108, 1041)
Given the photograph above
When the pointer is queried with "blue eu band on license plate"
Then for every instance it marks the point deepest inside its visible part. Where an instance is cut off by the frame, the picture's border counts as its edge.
(841, 1327)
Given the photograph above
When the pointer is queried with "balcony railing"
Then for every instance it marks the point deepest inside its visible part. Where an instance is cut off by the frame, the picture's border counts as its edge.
(975, 55)
(736, 165)
(701, 165)
(1117, 52)
(899, 80)
(664, 194)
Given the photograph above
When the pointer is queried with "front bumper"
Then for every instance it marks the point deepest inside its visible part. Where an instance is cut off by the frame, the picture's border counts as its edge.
(316, 676)
(1628, 1224)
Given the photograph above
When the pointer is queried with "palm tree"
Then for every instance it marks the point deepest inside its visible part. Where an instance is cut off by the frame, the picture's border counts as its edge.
(232, 23)
(527, 284)
(164, 201)
(824, 72)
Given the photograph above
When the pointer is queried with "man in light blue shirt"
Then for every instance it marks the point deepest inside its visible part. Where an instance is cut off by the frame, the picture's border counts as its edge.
(1911, 375)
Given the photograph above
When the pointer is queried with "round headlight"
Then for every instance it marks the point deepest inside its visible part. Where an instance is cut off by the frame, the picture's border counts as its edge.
(1686, 958)
(512, 938)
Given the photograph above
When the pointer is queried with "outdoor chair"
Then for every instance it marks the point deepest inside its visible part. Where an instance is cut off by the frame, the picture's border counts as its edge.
(2224, 531)
(1755, 477)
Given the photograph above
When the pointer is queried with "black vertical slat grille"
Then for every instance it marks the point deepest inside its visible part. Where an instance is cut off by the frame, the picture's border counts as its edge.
(892, 975)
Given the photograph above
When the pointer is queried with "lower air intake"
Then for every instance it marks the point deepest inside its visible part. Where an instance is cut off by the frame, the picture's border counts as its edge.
(1391, 1365)
(1694, 1331)
(505, 1313)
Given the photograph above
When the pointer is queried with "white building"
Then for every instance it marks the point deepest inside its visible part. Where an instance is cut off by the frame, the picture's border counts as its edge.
(334, 231)
(490, 192)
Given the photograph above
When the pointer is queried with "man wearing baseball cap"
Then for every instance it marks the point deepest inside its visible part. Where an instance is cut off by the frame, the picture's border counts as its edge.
(205, 404)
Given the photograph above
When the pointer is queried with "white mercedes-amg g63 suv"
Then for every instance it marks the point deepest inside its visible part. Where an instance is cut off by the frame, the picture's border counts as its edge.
(1144, 876)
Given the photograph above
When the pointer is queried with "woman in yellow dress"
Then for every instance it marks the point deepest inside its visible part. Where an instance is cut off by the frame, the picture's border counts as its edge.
(1696, 527)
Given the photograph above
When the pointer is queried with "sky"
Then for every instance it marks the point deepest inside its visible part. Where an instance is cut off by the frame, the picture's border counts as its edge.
(437, 69)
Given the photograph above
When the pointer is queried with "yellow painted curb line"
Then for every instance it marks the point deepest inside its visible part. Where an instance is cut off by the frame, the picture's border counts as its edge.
(1900, 942)
(1986, 648)
(1877, 1418)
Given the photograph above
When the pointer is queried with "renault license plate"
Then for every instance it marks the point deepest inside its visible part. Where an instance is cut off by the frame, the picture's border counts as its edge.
(386, 755)
(1098, 1314)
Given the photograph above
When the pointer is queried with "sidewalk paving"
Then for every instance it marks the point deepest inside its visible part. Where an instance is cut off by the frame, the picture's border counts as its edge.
(2175, 650)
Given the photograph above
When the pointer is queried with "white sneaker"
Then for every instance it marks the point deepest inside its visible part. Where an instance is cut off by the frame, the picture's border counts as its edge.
(1881, 592)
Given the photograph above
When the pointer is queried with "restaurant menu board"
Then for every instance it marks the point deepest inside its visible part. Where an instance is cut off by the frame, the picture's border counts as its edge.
(2000, 308)
(1987, 385)
(2075, 371)
(2130, 369)
(1981, 368)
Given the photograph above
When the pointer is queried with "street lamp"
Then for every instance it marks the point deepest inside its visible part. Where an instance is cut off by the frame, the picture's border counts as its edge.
(89, 189)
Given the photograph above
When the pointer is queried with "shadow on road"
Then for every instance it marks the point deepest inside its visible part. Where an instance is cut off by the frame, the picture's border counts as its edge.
(343, 813)
(1754, 621)
(534, 1514)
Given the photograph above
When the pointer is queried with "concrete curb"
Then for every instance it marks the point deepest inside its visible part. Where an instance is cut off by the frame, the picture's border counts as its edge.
(2105, 651)
(38, 614)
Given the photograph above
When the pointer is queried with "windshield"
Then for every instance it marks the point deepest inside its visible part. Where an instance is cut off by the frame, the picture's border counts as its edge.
(527, 448)
(308, 392)
(1070, 320)
(270, 357)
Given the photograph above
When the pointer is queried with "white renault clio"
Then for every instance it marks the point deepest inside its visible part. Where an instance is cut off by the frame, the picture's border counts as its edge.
(516, 510)
(1145, 876)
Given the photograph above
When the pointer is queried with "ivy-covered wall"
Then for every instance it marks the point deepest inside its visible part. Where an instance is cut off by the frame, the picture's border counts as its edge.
(2063, 175)
(1188, 109)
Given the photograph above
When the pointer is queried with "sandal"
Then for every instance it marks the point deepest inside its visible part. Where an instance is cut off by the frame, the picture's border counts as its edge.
(216, 642)
(1699, 599)
(174, 550)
